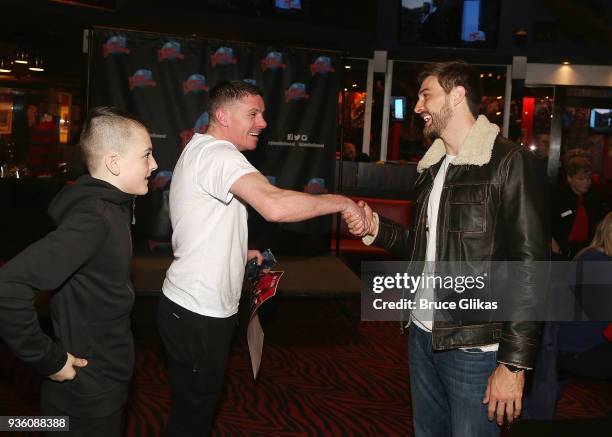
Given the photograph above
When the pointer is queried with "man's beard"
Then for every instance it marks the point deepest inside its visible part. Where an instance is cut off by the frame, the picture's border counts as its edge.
(439, 121)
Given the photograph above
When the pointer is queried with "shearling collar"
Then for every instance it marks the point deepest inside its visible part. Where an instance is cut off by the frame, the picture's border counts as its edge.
(476, 149)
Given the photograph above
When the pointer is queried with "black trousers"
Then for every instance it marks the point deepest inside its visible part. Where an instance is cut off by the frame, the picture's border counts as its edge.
(107, 426)
(197, 348)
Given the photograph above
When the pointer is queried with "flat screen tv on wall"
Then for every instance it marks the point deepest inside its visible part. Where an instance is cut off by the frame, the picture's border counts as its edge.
(601, 120)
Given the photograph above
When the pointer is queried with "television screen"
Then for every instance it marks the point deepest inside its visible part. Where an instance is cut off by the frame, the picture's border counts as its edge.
(288, 5)
(449, 23)
(601, 120)
(398, 108)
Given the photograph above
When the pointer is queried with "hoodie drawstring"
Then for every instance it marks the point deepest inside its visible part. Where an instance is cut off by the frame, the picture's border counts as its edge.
(134, 211)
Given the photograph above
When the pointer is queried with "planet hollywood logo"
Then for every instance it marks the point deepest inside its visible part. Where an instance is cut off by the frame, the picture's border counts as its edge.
(272, 61)
(201, 124)
(321, 65)
(315, 186)
(297, 91)
(195, 84)
(170, 50)
(288, 4)
(201, 127)
(251, 81)
(223, 56)
(115, 45)
(161, 179)
(142, 79)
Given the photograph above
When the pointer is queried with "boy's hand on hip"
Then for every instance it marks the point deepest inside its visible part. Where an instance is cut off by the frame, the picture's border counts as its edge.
(68, 372)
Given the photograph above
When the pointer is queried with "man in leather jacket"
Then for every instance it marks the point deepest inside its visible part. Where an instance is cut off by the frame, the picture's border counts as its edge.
(479, 197)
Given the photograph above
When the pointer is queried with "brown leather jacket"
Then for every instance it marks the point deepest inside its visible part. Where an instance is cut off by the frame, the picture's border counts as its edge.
(492, 207)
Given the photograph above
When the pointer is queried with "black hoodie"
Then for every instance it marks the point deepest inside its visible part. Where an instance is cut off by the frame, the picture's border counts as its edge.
(86, 260)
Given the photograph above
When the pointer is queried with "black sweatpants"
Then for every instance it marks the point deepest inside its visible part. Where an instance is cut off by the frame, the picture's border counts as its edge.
(197, 348)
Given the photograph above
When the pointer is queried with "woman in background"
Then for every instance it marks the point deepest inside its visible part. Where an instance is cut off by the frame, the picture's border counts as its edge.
(585, 347)
(580, 348)
(576, 210)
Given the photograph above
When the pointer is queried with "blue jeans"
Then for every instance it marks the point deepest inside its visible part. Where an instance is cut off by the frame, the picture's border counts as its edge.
(447, 388)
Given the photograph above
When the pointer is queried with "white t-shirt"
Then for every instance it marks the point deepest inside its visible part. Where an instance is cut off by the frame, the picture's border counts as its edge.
(210, 233)
(424, 318)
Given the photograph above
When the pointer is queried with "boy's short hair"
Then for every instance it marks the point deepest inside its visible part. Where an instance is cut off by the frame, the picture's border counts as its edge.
(106, 128)
(577, 165)
(227, 91)
(457, 73)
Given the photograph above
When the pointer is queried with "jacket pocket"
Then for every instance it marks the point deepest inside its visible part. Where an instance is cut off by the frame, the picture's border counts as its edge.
(467, 208)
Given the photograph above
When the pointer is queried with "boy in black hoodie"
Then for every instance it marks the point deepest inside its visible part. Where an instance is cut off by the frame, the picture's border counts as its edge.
(89, 361)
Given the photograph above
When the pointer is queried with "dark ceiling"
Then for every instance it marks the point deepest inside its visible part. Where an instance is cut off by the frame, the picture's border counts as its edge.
(55, 28)
(356, 27)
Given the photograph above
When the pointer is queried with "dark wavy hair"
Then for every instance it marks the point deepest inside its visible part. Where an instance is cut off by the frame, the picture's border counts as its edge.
(457, 73)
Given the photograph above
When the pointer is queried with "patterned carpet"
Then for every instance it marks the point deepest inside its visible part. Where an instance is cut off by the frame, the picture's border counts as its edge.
(322, 374)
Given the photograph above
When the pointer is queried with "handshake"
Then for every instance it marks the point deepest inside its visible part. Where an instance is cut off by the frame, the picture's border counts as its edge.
(360, 219)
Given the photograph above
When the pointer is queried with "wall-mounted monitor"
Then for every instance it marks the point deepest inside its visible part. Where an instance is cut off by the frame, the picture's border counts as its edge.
(449, 23)
(601, 120)
(398, 108)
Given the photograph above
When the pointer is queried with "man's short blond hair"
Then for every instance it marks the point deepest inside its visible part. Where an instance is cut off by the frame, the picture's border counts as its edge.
(105, 129)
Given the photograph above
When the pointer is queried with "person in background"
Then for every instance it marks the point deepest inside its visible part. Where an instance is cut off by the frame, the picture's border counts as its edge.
(583, 347)
(44, 154)
(349, 152)
(576, 210)
(542, 145)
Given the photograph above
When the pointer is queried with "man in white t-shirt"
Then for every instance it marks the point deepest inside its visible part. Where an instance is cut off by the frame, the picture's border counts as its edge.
(479, 198)
(211, 185)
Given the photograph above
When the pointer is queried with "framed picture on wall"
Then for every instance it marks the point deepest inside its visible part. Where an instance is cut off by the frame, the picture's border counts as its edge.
(6, 113)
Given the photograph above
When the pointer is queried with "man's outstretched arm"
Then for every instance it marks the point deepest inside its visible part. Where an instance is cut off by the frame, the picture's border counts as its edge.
(278, 205)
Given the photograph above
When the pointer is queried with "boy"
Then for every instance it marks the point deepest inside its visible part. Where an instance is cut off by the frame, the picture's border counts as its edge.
(86, 259)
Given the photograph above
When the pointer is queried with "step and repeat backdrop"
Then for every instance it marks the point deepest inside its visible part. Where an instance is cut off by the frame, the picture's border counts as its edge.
(164, 80)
